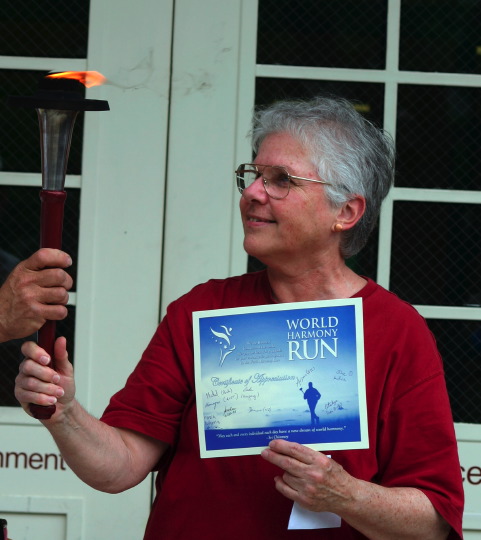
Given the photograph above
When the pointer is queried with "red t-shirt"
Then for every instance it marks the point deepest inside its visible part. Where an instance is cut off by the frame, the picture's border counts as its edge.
(411, 433)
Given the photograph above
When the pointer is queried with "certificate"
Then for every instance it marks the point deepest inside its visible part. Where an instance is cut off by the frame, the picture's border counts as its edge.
(290, 371)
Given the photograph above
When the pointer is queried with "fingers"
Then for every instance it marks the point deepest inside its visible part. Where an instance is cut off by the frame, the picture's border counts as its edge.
(285, 488)
(51, 302)
(46, 257)
(44, 277)
(38, 383)
(44, 269)
(292, 456)
(31, 350)
(31, 386)
(50, 277)
(298, 451)
(310, 478)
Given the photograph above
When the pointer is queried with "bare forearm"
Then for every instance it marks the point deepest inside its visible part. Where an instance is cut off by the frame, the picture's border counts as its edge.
(95, 451)
(393, 514)
(107, 458)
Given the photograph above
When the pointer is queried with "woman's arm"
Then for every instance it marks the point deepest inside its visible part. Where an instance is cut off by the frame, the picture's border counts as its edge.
(106, 458)
(380, 513)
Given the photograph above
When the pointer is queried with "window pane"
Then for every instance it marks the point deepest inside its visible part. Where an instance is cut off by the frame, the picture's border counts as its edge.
(368, 98)
(459, 343)
(11, 356)
(440, 35)
(435, 254)
(438, 137)
(327, 33)
(19, 129)
(44, 29)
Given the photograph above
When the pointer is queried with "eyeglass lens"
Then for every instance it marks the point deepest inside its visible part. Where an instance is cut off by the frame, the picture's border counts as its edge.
(276, 179)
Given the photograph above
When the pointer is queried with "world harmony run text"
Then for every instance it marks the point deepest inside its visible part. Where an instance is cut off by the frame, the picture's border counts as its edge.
(310, 338)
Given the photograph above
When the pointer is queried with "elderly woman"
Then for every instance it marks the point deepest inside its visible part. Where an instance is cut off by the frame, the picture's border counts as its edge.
(309, 201)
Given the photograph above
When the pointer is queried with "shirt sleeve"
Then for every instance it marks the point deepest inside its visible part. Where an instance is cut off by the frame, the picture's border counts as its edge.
(154, 397)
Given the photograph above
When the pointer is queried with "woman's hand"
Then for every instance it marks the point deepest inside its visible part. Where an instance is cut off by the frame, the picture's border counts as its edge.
(40, 384)
(320, 484)
(310, 478)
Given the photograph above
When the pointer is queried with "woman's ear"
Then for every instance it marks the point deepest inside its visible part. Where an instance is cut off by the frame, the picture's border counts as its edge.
(350, 213)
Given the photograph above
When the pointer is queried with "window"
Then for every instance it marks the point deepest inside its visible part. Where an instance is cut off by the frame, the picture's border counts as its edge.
(405, 66)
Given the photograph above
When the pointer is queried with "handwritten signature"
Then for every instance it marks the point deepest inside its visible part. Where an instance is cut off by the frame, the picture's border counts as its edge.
(300, 379)
(332, 406)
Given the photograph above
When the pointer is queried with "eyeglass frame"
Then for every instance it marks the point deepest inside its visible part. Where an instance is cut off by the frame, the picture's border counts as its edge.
(265, 182)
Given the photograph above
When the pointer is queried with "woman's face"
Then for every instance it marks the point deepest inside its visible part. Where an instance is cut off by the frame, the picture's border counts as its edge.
(295, 230)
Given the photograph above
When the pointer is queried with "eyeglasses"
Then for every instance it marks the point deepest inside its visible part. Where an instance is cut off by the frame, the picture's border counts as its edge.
(276, 180)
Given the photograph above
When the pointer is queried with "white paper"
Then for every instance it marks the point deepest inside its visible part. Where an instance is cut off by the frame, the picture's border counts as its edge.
(305, 519)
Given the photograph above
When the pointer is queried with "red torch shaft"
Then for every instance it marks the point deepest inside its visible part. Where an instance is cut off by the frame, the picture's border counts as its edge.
(51, 227)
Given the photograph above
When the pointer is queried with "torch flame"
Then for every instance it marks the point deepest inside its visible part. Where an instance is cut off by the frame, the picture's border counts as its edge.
(87, 78)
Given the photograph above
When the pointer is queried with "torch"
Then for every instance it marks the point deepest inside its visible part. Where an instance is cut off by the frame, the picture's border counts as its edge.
(58, 101)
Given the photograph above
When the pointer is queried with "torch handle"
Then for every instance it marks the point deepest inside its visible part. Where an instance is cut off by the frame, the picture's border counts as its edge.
(51, 218)
(51, 226)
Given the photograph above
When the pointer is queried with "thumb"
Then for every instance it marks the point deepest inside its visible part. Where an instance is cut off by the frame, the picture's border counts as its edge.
(62, 364)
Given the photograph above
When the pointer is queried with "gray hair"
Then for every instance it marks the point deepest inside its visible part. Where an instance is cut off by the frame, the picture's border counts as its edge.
(346, 149)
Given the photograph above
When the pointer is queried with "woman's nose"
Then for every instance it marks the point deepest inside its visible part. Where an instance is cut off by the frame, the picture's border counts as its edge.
(256, 191)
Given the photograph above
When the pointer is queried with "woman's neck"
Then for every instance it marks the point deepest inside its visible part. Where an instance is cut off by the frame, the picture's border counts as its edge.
(314, 284)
